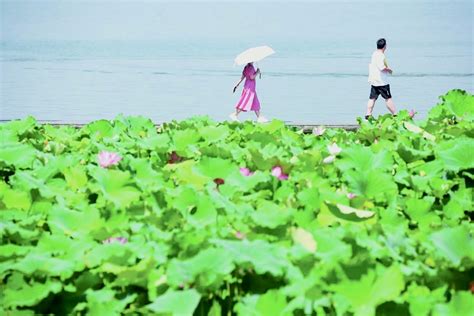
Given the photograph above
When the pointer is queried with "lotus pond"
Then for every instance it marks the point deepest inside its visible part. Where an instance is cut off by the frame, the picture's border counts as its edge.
(205, 218)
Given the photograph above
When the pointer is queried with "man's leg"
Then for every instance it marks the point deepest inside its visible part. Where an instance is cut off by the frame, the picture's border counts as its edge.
(390, 105)
(370, 106)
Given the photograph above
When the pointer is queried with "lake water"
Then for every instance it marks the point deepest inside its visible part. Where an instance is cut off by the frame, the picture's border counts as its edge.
(318, 74)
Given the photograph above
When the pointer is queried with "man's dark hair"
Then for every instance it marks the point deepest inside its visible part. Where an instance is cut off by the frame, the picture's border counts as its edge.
(381, 43)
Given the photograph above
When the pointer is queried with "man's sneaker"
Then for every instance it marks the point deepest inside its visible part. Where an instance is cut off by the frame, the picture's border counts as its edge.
(367, 117)
(261, 119)
(233, 117)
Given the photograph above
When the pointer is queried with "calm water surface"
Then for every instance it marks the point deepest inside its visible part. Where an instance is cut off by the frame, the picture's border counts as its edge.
(318, 75)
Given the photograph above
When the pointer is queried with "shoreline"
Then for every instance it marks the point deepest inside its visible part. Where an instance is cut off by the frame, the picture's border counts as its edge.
(305, 126)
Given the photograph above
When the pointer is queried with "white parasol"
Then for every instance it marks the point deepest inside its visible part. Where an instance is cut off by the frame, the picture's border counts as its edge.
(253, 55)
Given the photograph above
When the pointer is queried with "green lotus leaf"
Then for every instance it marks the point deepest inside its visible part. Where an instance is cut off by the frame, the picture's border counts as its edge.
(176, 303)
(136, 124)
(74, 223)
(460, 201)
(130, 275)
(422, 299)
(65, 133)
(10, 250)
(459, 305)
(183, 198)
(372, 184)
(27, 181)
(216, 167)
(273, 302)
(215, 310)
(184, 139)
(265, 157)
(206, 213)
(207, 269)
(242, 183)
(273, 126)
(271, 215)
(363, 159)
(420, 211)
(457, 154)
(263, 256)
(99, 129)
(50, 266)
(158, 143)
(114, 253)
(8, 135)
(459, 103)
(12, 229)
(104, 302)
(186, 173)
(146, 177)
(247, 306)
(115, 185)
(309, 198)
(17, 154)
(330, 246)
(454, 243)
(214, 134)
(22, 126)
(409, 153)
(371, 290)
(64, 247)
(19, 293)
(76, 177)
(16, 199)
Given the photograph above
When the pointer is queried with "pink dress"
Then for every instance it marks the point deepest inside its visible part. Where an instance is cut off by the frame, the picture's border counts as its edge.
(248, 100)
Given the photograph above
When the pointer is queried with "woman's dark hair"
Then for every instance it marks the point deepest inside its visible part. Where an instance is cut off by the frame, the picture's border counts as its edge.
(381, 43)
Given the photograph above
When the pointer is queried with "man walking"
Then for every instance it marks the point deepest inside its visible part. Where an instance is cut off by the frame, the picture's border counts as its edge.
(378, 73)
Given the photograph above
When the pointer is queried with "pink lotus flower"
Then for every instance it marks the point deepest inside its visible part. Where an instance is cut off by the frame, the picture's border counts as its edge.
(329, 159)
(246, 172)
(277, 171)
(107, 159)
(334, 149)
(239, 235)
(120, 240)
(318, 131)
(412, 113)
(351, 195)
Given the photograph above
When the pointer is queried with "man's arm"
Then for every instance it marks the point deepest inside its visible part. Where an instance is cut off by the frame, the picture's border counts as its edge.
(385, 67)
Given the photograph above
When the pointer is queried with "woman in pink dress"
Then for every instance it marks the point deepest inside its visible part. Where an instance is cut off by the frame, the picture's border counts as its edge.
(248, 100)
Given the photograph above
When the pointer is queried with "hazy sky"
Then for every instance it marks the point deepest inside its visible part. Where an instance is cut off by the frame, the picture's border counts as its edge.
(142, 20)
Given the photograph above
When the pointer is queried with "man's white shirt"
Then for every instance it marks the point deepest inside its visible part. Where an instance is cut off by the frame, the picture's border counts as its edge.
(377, 77)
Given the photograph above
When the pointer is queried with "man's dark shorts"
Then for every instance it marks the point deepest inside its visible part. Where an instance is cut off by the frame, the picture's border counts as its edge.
(383, 90)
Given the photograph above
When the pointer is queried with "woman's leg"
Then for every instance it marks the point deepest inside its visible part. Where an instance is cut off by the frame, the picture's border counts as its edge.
(233, 115)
